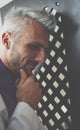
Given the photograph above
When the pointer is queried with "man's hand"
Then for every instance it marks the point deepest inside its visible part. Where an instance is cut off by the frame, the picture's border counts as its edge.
(28, 90)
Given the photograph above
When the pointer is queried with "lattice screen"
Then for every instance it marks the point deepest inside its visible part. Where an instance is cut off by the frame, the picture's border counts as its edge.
(54, 109)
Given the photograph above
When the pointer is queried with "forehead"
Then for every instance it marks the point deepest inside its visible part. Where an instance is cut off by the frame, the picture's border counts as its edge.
(35, 31)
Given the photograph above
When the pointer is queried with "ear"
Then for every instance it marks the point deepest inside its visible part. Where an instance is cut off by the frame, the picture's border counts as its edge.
(6, 39)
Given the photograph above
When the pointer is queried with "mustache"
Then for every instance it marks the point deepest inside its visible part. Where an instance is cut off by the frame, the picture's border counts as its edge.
(33, 63)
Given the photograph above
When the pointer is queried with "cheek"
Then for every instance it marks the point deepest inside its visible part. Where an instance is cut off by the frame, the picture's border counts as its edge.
(31, 55)
(25, 57)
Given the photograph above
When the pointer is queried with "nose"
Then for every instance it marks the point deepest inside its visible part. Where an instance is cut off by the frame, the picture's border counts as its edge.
(40, 57)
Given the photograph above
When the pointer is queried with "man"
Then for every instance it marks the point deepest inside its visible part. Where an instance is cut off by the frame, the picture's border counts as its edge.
(24, 40)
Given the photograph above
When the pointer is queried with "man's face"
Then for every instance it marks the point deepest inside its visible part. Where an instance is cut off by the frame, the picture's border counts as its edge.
(30, 50)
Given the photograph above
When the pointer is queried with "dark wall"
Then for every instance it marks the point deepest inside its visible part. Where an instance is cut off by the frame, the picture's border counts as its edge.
(71, 20)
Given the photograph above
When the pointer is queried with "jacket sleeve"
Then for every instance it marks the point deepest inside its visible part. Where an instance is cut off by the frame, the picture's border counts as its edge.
(24, 118)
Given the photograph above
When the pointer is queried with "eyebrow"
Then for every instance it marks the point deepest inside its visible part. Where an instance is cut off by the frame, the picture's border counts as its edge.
(39, 44)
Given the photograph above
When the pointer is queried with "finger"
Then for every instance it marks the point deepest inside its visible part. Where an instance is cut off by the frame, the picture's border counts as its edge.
(23, 75)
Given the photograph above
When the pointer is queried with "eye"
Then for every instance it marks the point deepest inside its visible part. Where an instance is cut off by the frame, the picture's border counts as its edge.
(34, 47)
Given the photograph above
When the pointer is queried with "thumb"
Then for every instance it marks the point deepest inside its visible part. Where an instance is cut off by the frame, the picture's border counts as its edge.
(23, 75)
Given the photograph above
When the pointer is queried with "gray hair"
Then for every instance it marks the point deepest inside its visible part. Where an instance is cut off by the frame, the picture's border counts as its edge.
(16, 19)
